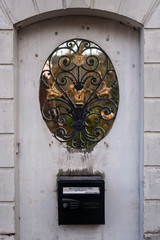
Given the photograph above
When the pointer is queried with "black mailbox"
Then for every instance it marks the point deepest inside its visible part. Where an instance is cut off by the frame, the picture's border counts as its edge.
(81, 200)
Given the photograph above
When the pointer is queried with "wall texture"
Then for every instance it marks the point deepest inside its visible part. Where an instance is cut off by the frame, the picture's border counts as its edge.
(152, 126)
(140, 13)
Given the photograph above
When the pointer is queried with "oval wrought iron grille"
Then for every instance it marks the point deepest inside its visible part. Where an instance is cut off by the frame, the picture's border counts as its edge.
(79, 93)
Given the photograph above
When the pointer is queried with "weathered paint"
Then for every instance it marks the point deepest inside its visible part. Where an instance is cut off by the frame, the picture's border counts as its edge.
(41, 156)
(146, 12)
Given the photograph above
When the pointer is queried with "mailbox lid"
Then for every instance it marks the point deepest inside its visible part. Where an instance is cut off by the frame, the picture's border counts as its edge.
(80, 185)
(80, 178)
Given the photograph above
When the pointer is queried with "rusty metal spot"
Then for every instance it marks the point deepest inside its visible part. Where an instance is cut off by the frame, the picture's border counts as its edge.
(106, 144)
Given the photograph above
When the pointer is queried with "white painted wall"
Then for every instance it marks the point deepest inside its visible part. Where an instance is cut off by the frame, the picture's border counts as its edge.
(41, 156)
(135, 12)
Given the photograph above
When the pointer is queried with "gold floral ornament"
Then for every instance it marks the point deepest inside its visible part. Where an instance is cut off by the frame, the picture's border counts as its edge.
(79, 93)
(79, 59)
(53, 92)
(104, 91)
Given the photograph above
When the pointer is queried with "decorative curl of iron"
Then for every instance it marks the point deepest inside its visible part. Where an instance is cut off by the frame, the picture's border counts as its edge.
(78, 101)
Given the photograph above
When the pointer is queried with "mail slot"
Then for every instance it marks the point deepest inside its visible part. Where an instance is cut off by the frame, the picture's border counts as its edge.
(81, 200)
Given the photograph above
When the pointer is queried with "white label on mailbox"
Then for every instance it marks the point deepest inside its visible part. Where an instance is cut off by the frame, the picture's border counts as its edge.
(81, 190)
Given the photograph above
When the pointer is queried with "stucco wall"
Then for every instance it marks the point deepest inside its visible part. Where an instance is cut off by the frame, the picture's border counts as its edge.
(135, 12)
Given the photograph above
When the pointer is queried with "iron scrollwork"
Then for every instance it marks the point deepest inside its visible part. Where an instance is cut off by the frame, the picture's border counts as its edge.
(79, 93)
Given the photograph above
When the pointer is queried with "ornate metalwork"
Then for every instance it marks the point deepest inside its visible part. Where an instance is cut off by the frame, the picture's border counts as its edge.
(79, 93)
